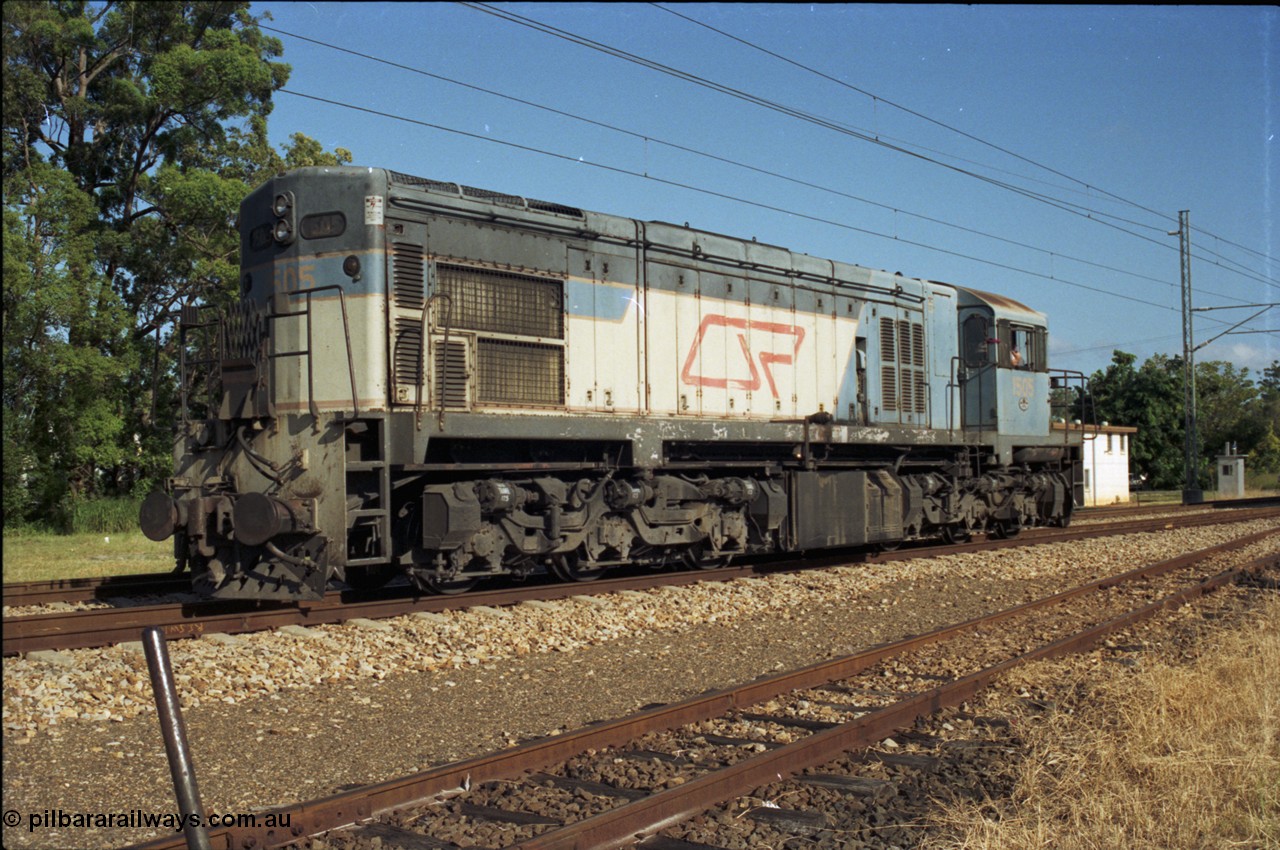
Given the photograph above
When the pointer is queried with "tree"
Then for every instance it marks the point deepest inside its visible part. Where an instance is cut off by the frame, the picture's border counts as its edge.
(1150, 399)
(1268, 408)
(132, 130)
(1229, 409)
(1226, 407)
(1265, 456)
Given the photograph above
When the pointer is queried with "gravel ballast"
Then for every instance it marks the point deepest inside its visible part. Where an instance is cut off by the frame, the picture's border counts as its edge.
(275, 718)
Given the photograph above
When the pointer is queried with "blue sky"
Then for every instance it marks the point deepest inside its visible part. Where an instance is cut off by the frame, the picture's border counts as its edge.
(1122, 115)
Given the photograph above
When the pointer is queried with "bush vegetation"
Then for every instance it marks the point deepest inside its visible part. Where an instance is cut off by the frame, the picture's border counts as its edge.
(1175, 756)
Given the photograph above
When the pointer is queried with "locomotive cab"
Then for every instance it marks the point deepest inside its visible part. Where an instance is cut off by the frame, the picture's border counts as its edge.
(1004, 365)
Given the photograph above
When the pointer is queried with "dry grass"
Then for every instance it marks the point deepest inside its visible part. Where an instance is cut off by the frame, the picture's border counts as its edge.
(30, 556)
(1171, 758)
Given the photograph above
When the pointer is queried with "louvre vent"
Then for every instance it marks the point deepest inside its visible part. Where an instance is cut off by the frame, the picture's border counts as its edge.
(912, 344)
(903, 381)
(408, 281)
(887, 345)
(407, 361)
(906, 392)
(889, 387)
(450, 388)
(519, 373)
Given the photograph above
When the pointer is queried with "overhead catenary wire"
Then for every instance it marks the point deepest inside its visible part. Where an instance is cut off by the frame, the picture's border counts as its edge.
(1050, 253)
(1261, 277)
(910, 111)
(1067, 206)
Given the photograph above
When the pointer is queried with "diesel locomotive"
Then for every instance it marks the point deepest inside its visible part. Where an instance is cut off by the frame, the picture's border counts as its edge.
(427, 379)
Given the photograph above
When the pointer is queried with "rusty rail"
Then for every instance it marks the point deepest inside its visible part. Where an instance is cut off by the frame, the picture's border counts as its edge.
(91, 588)
(623, 824)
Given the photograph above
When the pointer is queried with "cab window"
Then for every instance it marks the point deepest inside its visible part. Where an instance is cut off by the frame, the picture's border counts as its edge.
(1022, 347)
(975, 341)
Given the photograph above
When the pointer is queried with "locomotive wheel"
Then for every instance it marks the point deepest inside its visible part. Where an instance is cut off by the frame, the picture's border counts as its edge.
(568, 567)
(1006, 529)
(955, 534)
(448, 587)
(695, 557)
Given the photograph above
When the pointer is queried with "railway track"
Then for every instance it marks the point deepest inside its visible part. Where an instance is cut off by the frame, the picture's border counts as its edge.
(105, 588)
(100, 588)
(107, 626)
(108, 588)
(1174, 507)
(631, 782)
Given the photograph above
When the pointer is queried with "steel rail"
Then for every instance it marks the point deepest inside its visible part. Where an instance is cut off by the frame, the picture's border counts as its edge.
(104, 627)
(93, 587)
(622, 826)
(146, 584)
(1138, 507)
(350, 807)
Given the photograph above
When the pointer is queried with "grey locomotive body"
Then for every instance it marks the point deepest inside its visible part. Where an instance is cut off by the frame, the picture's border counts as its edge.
(450, 383)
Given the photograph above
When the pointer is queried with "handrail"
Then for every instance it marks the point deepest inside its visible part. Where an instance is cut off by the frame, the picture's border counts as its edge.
(426, 352)
(189, 317)
(1067, 378)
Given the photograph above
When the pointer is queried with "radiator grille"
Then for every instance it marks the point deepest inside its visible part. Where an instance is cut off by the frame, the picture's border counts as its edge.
(519, 372)
(501, 302)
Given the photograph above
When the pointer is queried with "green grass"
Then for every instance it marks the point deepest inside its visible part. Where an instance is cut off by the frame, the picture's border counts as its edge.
(36, 556)
(1255, 486)
(1262, 480)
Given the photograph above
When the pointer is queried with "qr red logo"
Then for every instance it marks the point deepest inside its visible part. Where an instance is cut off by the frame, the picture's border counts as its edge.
(767, 359)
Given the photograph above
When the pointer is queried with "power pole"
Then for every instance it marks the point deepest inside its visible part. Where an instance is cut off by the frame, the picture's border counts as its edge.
(1191, 492)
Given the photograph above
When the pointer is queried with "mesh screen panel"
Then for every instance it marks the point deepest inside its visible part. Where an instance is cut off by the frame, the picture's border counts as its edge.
(500, 302)
(519, 372)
